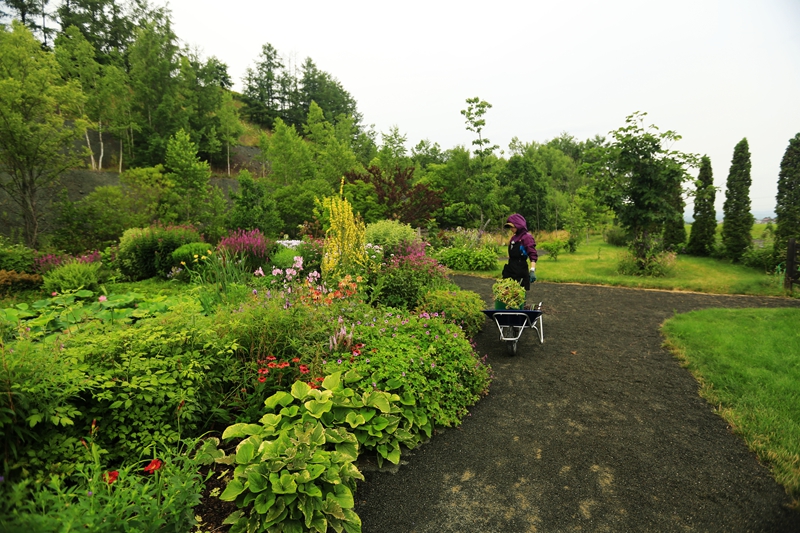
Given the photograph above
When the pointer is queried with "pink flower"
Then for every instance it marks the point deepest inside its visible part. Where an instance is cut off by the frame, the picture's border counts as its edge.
(102, 298)
(54, 294)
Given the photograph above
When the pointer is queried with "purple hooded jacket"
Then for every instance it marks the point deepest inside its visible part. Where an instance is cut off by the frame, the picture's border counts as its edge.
(523, 236)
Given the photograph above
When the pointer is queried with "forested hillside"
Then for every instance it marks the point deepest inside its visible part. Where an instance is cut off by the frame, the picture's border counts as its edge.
(108, 85)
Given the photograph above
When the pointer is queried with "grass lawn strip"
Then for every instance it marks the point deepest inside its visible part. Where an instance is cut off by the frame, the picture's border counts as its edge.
(748, 364)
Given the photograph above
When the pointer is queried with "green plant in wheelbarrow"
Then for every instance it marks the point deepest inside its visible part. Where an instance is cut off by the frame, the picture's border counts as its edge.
(508, 294)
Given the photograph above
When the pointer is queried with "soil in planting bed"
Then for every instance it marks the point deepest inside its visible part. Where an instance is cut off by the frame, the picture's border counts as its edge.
(597, 429)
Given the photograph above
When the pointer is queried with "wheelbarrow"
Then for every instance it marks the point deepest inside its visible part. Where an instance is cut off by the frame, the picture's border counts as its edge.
(512, 322)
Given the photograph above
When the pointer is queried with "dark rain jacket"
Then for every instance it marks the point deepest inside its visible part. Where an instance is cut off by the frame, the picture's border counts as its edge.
(521, 248)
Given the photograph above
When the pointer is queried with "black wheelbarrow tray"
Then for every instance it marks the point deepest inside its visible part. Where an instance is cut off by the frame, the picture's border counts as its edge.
(512, 322)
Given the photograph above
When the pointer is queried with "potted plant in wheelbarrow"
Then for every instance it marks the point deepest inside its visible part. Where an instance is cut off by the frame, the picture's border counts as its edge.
(508, 294)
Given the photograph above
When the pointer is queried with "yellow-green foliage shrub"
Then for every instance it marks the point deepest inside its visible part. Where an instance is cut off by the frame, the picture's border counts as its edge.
(73, 276)
(389, 234)
(345, 249)
(454, 305)
(12, 281)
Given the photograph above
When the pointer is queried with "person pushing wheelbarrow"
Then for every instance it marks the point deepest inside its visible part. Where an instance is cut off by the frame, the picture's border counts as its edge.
(521, 249)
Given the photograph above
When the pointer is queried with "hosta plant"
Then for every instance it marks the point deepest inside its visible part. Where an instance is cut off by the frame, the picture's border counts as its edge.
(291, 472)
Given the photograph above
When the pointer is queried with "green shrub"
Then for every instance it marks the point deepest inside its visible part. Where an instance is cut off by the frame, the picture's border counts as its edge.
(463, 308)
(407, 276)
(553, 248)
(425, 357)
(284, 257)
(616, 236)
(16, 257)
(189, 256)
(147, 252)
(187, 253)
(98, 220)
(763, 258)
(72, 276)
(465, 258)
(389, 234)
(311, 250)
(654, 264)
(166, 379)
(572, 243)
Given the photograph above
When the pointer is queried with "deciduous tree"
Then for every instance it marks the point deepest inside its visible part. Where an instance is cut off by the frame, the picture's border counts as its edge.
(40, 123)
(254, 207)
(402, 198)
(229, 124)
(473, 114)
(638, 180)
(289, 155)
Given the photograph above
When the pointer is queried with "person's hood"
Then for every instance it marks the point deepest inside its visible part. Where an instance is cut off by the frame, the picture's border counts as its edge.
(519, 221)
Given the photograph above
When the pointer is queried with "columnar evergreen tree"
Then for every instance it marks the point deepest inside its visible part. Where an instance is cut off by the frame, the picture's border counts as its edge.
(787, 207)
(703, 234)
(738, 221)
(674, 225)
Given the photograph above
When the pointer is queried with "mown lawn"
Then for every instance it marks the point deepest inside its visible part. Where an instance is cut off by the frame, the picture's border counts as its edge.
(748, 364)
(595, 263)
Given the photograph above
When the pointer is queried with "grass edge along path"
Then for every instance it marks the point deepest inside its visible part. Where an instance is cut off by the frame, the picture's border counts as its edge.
(747, 362)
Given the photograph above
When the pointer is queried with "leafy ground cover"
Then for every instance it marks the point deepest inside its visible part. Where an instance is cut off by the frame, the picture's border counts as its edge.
(748, 364)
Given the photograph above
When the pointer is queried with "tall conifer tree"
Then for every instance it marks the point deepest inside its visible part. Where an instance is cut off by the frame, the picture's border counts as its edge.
(787, 206)
(701, 239)
(674, 225)
(738, 220)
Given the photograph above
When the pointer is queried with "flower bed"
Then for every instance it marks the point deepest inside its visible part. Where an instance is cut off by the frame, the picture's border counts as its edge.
(94, 391)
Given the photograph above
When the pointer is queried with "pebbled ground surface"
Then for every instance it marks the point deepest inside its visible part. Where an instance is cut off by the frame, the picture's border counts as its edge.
(598, 429)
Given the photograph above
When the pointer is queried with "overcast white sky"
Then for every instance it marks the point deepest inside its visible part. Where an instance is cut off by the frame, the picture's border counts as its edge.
(714, 71)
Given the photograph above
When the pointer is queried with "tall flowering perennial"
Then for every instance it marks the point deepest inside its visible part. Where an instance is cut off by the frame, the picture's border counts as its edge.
(252, 245)
(47, 262)
(345, 241)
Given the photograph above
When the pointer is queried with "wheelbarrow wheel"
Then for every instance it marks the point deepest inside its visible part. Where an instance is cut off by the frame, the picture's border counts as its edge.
(511, 346)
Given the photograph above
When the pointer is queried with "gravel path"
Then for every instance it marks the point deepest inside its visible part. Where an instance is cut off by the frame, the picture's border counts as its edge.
(598, 429)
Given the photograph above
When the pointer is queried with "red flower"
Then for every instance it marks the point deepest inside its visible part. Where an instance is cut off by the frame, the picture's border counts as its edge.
(356, 353)
(154, 465)
(263, 370)
(304, 369)
(262, 379)
(272, 365)
(271, 358)
(111, 477)
(295, 360)
(283, 364)
(319, 379)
